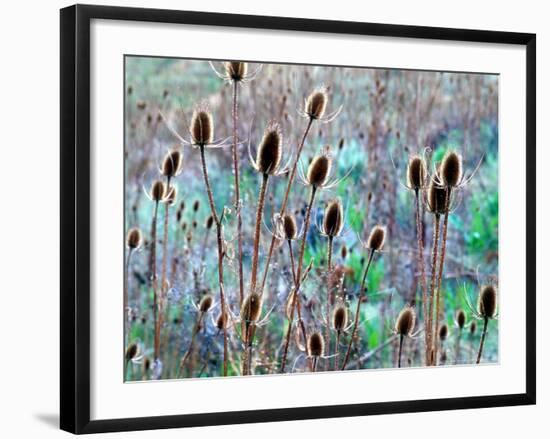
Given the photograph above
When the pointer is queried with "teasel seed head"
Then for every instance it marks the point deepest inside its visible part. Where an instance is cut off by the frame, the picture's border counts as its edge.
(172, 163)
(205, 303)
(131, 351)
(319, 170)
(436, 199)
(220, 321)
(134, 238)
(443, 332)
(451, 169)
(376, 238)
(158, 190)
(460, 318)
(251, 308)
(290, 229)
(344, 252)
(196, 205)
(340, 318)
(146, 364)
(473, 327)
(333, 221)
(416, 172)
(270, 150)
(316, 103)
(236, 70)
(202, 126)
(315, 344)
(404, 325)
(209, 222)
(487, 303)
(171, 196)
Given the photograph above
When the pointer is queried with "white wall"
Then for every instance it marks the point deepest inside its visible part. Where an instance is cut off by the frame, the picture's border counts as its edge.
(29, 216)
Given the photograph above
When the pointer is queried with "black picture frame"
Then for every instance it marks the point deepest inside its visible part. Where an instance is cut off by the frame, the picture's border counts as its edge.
(75, 217)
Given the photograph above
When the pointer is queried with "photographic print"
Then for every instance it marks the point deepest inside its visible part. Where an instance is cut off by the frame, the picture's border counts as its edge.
(285, 219)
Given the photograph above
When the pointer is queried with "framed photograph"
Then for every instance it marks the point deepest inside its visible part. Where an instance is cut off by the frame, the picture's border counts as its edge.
(268, 218)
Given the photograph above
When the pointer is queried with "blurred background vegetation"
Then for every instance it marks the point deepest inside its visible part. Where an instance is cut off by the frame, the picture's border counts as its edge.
(386, 115)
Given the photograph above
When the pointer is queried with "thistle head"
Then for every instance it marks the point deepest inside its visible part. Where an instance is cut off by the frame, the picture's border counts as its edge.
(158, 190)
(270, 150)
(436, 199)
(251, 307)
(202, 126)
(236, 70)
(460, 318)
(134, 238)
(376, 238)
(487, 303)
(316, 103)
(340, 318)
(172, 163)
(289, 227)
(404, 324)
(206, 303)
(416, 172)
(333, 220)
(443, 332)
(315, 344)
(319, 170)
(451, 169)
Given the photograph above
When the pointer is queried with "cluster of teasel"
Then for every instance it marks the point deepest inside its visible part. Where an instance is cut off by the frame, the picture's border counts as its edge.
(435, 192)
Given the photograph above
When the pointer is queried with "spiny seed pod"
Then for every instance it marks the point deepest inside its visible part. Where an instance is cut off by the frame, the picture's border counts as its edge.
(460, 318)
(443, 332)
(316, 344)
(270, 150)
(333, 221)
(172, 163)
(209, 222)
(404, 325)
(236, 70)
(202, 127)
(376, 238)
(436, 199)
(196, 205)
(131, 351)
(473, 327)
(416, 173)
(344, 252)
(220, 321)
(319, 170)
(158, 191)
(316, 103)
(451, 169)
(340, 318)
(251, 308)
(146, 364)
(206, 303)
(171, 196)
(290, 229)
(487, 304)
(134, 238)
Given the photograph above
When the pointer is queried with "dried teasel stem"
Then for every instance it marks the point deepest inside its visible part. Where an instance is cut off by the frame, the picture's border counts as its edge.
(291, 178)
(219, 240)
(435, 246)
(359, 300)
(329, 295)
(423, 283)
(259, 216)
(204, 305)
(133, 242)
(237, 189)
(482, 341)
(295, 299)
(438, 309)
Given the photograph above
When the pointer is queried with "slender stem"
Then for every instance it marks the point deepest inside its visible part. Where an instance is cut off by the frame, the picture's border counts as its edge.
(423, 283)
(481, 343)
(164, 264)
(285, 199)
(191, 345)
(154, 274)
(430, 348)
(297, 284)
(314, 364)
(400, 350)
(259, 215)
(292, 267)
(237, 191)
(457, 351)
(219, 240)
(356, 321)
(329, 297)
(438, 311)
(337, 350)
(126, 289)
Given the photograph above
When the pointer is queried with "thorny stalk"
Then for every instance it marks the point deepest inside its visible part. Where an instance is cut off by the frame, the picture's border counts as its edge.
(420, 243)
(435, 244)
(329, 296)
(259, 216)
(482, 342)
